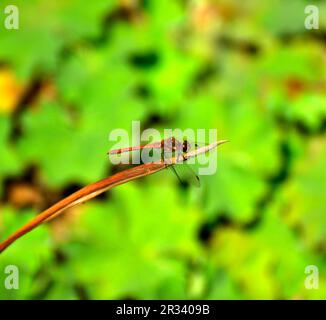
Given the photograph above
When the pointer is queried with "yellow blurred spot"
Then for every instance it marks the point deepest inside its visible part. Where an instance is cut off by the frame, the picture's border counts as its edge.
(10, 91)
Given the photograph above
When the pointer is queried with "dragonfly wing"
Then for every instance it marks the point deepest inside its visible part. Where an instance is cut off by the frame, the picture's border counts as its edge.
(185, 174)
(154, 145)
(176, 173)
(192, 177)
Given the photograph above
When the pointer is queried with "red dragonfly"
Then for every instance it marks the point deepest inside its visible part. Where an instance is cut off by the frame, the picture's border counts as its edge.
(169, 146)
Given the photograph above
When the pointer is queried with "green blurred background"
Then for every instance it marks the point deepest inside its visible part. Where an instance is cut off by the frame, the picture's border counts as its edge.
(75, 70)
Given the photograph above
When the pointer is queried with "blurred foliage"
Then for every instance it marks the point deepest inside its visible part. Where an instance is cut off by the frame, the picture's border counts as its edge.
(73, 72)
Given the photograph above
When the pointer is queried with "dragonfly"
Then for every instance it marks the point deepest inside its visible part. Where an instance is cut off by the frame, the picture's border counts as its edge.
(167, 148)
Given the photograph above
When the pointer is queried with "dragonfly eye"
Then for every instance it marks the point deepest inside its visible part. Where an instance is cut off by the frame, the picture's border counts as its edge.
(185, 146)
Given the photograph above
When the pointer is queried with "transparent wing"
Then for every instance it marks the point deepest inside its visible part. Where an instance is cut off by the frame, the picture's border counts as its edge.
(172, 168)
(183, 172)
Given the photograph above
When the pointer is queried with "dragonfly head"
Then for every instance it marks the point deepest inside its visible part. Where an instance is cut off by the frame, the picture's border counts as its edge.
(185, 146)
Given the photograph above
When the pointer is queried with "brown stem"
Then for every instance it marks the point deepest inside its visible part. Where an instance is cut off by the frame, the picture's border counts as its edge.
(94, 189)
